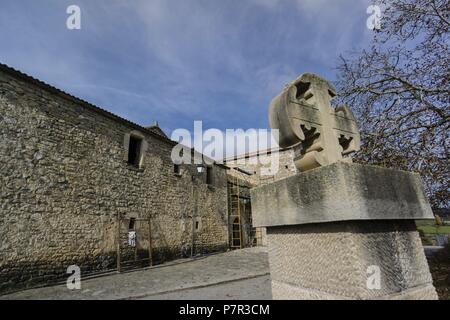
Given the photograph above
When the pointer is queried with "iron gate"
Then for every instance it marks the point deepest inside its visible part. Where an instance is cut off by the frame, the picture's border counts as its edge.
(134, 243)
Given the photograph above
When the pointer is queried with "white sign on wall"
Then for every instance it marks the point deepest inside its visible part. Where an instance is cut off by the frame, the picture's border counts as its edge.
(132, 238)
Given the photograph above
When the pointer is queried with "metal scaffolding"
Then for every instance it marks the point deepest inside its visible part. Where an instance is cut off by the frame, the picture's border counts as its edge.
(235, 213)
(242, 232)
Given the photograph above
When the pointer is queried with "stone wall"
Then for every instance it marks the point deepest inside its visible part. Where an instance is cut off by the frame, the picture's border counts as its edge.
(65, 181)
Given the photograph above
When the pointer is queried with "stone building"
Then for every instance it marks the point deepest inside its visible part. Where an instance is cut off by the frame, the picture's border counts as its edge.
(254, 165)
(82, 186)
(76, 178)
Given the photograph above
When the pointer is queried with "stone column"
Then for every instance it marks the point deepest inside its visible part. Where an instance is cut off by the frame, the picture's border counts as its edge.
(345, 231)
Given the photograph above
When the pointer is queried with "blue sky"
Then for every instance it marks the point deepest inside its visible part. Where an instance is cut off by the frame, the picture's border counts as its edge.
(177, 61)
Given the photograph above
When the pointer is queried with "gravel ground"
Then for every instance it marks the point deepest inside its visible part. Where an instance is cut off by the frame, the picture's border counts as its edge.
(250, 289)
(165, 280)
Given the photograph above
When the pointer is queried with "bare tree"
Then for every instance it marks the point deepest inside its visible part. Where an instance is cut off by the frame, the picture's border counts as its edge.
(399, 91)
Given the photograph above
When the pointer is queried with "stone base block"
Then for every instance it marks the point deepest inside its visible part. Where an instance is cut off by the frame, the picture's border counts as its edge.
(339, 260)
(338, 192)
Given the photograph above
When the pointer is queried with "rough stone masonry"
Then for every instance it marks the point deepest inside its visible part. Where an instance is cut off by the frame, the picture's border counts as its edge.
(338, 230)
(66, 177)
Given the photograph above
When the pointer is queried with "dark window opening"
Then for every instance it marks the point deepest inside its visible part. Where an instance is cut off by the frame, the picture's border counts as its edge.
(176, 169)
(196, 225)
(209, 176)
(132, 224)
(134, 151)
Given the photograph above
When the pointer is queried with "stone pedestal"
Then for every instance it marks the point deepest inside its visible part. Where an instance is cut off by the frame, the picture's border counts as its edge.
(333, 231)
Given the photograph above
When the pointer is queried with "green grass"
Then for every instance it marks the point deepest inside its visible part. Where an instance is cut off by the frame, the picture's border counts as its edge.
(434, 229)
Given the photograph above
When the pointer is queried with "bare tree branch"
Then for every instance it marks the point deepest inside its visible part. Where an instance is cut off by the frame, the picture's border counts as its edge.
(399, 91)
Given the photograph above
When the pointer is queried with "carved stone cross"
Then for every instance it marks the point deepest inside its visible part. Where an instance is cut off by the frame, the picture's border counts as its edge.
(320, 134)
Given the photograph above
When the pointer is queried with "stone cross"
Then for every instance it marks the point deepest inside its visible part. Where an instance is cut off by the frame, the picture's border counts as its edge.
(343, 230)
(320, 134)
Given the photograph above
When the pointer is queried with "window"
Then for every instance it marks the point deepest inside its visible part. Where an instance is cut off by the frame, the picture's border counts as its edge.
(132, 224)
(209, 176)
(198, 224)
(134, 151)
(176, 169)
